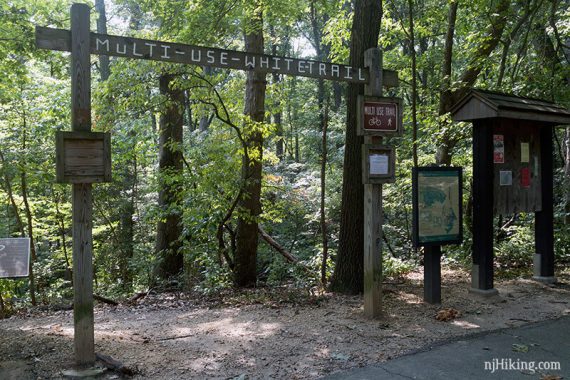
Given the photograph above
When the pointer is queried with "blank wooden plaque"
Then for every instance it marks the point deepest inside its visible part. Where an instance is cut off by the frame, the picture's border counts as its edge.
(83, 157)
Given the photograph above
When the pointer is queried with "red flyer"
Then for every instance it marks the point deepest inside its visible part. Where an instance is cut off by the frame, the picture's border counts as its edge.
(525, 177)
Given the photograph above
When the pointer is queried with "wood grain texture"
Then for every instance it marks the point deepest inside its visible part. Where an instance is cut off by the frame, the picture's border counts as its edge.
(80, 68)
(373, 250)
(84, 337)
(137, 48)
(544, 228)
(373, 62)
(373, 214)
(517, 198)
(84, 341)
(83, 157)
(482, 250)
(432, 274)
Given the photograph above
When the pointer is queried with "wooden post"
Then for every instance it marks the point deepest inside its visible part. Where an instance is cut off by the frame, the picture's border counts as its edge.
(373, 205)
(84, 342)
(482, 270)
(543, 228)
(432, 274)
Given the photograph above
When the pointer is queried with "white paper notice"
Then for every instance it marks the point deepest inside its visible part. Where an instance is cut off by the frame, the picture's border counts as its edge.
(378, 164)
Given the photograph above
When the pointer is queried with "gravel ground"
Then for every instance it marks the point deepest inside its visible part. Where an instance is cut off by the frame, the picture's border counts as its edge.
(283, 334)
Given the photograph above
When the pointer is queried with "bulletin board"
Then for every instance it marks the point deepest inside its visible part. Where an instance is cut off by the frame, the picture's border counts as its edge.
(516, 166)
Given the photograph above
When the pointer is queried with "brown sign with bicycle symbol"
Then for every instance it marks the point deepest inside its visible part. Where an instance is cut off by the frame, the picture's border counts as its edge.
(380, 116)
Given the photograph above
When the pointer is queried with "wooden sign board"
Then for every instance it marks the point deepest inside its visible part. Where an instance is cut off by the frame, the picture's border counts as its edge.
(129, 47)
(437, 206)
(14, 257)
(379, 116)
(83, 157)
(378, 164)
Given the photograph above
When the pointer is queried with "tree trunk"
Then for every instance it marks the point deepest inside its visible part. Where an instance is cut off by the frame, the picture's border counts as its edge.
(567, 176)
(349, 271)
(62, 231)
(277, 115)
(127, 211)
(169, 228)
(414, 84)
(104, 69)
(205, 120)
(324, 229)
(245, 271)
(317, 24)
(448, 56)
(28, 211)
(29, 219)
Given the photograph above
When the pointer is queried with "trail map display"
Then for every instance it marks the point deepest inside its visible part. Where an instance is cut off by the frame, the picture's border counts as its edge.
(437, 206)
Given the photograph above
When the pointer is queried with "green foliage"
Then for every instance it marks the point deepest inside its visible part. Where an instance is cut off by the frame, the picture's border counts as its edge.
(34, 102)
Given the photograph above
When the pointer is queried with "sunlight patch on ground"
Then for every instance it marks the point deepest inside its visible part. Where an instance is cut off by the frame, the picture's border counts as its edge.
(229, 327)
(465, 325)
(410, 298)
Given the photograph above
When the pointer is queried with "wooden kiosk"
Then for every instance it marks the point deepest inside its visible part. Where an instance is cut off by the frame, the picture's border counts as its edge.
(512, 172)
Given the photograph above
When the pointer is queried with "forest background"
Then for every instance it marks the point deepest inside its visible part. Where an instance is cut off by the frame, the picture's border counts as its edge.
(228, 179)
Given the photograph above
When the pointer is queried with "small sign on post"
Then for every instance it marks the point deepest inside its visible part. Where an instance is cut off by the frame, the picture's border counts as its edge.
(83, 157)
(379, 116)
(378, 164)
(14, 257)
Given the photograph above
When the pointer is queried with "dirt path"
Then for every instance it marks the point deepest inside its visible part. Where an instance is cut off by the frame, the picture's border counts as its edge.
(172, 336)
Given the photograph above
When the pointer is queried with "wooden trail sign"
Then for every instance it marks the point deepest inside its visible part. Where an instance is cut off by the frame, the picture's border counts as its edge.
(93, 153)
(379, 116)
(83, 157)
(137, 48)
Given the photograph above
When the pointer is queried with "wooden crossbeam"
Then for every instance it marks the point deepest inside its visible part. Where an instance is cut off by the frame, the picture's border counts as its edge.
(137, 48)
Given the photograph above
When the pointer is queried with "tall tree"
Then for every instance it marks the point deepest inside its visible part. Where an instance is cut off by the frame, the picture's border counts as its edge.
(492, 37)
(102, 29)
(318, 21)
(412, 37)
(169, 228)
(249, 206)
(349, 271)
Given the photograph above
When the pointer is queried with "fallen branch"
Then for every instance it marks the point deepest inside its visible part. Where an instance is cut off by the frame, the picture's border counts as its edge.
(278, 247)
(137, 297)
(105, 300)
(175, 337)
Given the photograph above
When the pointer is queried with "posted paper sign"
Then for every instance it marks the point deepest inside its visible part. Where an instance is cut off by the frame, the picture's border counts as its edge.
(379, 164)
(498, 149)
(505, 178)
(525, 152)
(14, 257)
